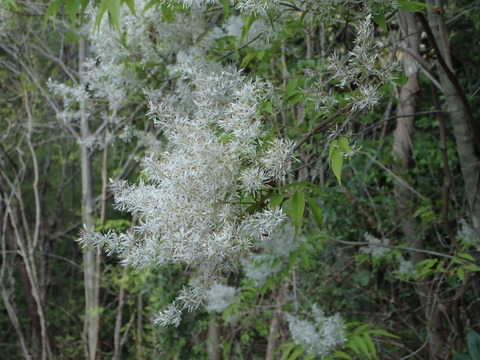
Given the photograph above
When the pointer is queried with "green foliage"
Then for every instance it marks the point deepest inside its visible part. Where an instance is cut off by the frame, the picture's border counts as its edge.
(339, 149)
(361, 342)
(298, 208)
(365, 289)
(473, 347)
(411, 6)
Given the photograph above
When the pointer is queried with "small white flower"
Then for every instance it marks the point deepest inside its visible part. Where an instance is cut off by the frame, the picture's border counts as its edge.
(278, 158)
(466, 234)
(253, 179)
(220, 297)
(405, 267)
(319, 337)
(376, 248)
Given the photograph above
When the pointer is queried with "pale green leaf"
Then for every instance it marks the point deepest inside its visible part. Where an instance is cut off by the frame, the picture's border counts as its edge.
(72, 7)
(114, 13)
(298, 208)
(411, 6)
(316, 212)
(381, 21)
(336, 163)
(131, 5)
(473, 341)
(276, 200)
(372, 349)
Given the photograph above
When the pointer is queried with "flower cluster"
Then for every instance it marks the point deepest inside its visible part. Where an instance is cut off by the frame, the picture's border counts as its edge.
(359, 73)
(405, 267)
(466, 234)
(376, 248)
(220, 297)
(319, 337)
(268, 260)
(192, 206)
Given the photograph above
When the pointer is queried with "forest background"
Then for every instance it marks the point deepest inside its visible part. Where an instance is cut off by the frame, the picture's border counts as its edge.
(350, 177)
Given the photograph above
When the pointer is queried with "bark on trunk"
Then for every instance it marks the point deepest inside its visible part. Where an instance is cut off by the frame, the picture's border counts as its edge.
(213, 342)
(90, 261)
(459, 111)
(402, 153)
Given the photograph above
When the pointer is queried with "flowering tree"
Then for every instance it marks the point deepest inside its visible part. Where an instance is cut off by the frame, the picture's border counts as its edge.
(207, 199)
(275, 213)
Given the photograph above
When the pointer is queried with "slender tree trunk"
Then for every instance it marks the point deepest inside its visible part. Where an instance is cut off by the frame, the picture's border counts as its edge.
(275, 323)
(213, 341)
(459, 111)
(402, 153)
(139, 328)
(117, 346)
(12, 314)
(90, 261)
(5, 277)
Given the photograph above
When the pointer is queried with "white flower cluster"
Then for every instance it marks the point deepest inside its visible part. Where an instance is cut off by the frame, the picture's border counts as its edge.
(326, 10)
(405, 267)
(362, 69)
(466, 234)
(376, 248)
(360, 73)
(319, 337)
(191, 207)
(219, 297)
(257, 7)
(259, 265)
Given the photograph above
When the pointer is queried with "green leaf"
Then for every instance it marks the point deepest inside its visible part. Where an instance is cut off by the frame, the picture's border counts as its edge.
(100, 12)
(114, 13)
(149, 5)
(466, 257)
(472, 268)
(296, 354)
(131, 5)
(352, 344)
(226, 9)
(52, 11)
(336, 160)
(316, 212)
(250, 19)
(344, 144)
(473, 341)
(382, 332)
(298, 208)
(372, 350)
(11, 4)
(83, 5)
(427, 263)
(462, 357)
(260, 54)
(461, 274)
(268, 107)
(361, 344)
(411, 6)
(342, 355)
(72, 7)
(276, 200)
(381, 21)
(287, 350)
(291, 88)
(249, 57)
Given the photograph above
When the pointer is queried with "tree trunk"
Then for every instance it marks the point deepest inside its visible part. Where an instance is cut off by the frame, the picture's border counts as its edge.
(459, 111)
(213, 342)
(90, 261)
(402, 154)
